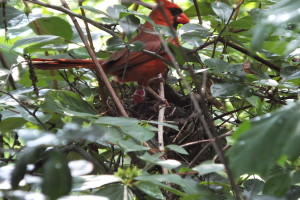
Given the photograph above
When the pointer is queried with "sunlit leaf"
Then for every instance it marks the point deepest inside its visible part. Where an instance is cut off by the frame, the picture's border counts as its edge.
(93, 181)
(34, 40)
(177, 149)
(170, 163)
(208, 167)
(223, 11)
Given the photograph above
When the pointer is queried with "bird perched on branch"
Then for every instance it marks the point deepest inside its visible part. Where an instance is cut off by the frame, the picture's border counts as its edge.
(133, 66)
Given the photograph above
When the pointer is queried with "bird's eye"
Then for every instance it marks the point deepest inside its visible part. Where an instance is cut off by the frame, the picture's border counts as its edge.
(175, 11)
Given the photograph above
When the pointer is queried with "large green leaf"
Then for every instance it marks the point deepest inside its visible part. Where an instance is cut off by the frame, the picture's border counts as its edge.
(11, 123)
(269, 138)
(52, 26)
(68, 103)
(57, 179)
(34, 40)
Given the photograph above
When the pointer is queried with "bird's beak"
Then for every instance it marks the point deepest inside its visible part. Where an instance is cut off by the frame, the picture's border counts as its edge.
(182, 19)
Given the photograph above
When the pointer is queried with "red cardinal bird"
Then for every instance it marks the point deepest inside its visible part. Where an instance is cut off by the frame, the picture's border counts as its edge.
(129, 66)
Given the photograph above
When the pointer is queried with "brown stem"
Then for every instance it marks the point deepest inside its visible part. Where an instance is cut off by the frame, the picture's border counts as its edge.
(198, 11)
(97, 64)
(88, 32)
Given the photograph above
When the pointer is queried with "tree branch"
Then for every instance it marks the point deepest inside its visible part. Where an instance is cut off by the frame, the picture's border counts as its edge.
(70, 13)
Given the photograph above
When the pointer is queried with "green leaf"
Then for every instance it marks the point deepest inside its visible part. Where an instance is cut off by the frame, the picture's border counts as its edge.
(68, 103)
(252, 188)
(150, 189)
(177, 149)
(217, 66)
(164, 124)
(34, 40)
(290, 73)
(115, 10)
(223, 90)
(223, 11)
(88, 182)
(130, 145)
(194, 34)
(116, 192)
(279, 15)
(204, 8)
(115, 44)
(117, 121)
(208, 167)
(40, 115)
(52, 26)
(278, 185)
(242, 23)
(94, 10)
(136, 46)
(12, 123)
(129, 24)
(138, 132)
(248, 155)
(57, 179)
(170, 163)
(13, 16)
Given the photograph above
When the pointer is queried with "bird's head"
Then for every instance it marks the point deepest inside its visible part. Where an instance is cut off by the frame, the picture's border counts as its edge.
(172, 11)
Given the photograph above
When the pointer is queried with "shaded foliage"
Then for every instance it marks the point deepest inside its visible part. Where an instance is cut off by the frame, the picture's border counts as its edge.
(61, 136)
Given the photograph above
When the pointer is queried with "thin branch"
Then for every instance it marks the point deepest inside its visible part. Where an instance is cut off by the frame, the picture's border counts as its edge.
(208, 140)
(252, 55)
(198, 11)
(231, 112)
(201, 111)
(97, 64)
(88, 32)
(161, 116)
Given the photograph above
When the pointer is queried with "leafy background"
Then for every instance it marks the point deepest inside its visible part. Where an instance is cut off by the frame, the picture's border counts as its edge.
(63, 138)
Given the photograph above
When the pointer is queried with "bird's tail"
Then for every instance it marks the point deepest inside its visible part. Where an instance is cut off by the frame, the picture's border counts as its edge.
(49, 64)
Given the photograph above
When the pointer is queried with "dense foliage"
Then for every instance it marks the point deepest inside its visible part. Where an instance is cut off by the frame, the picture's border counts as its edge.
(231, 131)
